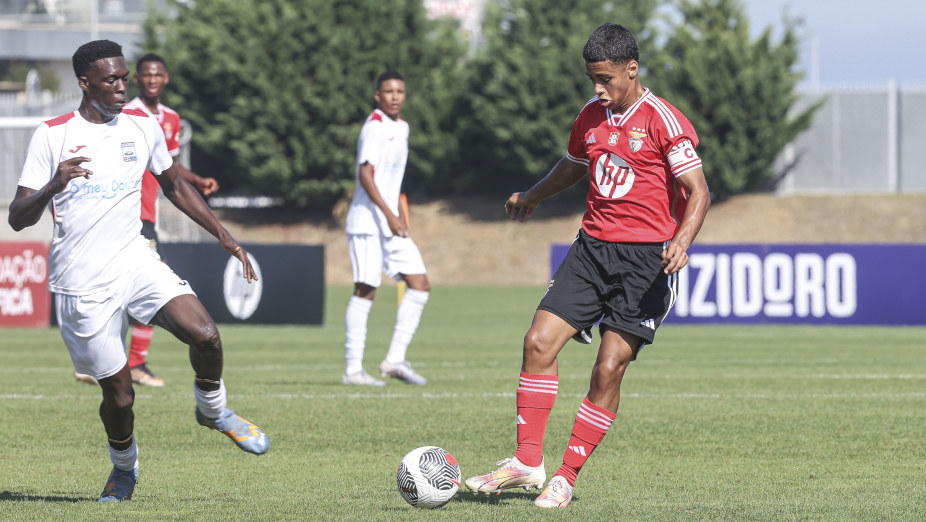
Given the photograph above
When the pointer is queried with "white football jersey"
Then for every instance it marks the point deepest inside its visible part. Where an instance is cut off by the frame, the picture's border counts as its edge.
(383, 142)
(97, 231)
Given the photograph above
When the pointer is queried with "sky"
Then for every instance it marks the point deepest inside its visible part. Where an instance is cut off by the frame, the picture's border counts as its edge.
(852, 42)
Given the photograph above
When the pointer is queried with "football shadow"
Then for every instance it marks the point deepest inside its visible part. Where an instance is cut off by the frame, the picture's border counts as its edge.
(13, 496)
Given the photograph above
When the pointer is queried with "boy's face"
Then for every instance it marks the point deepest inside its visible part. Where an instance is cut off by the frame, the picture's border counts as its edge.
(391, 96)
(613, 83)
(151, 78)
(105, 85)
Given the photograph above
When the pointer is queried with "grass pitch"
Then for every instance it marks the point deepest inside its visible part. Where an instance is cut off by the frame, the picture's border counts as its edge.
(716, 423)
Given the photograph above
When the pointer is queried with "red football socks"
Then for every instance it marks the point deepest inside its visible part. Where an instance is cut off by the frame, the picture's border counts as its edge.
(592, 423)
(535, 398)
(141, 340)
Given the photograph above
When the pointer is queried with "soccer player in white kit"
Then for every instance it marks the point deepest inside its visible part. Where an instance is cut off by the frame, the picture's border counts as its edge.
(379, 239)
(87, 167)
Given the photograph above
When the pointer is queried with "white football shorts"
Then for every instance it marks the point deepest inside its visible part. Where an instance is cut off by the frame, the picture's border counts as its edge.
(371, 255)
(94, 326)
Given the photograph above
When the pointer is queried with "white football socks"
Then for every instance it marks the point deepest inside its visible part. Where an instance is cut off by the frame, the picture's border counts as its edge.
(355, 320)
(406, 322)
(211, 403)
(126, 459)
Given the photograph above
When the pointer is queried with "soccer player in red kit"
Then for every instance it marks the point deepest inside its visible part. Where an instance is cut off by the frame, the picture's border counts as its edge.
(646, 202)
(151, 77)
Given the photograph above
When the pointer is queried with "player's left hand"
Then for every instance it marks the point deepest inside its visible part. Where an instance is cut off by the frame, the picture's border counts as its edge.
(238, 251)
(674, 258)
(208, 186)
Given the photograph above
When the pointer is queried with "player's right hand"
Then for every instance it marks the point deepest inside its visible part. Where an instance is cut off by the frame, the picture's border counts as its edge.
(397, 225)
(520, 207)
(68, 170)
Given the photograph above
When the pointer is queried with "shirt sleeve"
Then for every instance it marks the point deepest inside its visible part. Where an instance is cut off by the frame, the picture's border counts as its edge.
(173, 140)
(160, 159)
(40, 164)
(371, 143)
(576, 149)
(678, 140)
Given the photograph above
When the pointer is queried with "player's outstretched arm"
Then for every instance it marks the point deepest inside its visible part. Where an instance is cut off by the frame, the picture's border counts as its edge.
(675, 256)
(564, 174)
(188, 200)
(208, 186)
(28, 204)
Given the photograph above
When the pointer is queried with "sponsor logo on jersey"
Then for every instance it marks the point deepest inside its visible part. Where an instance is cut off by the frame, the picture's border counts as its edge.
(612, 140)
(591, 138)
(77, 148)
(521, 420)
(128, 151)
(636, 140)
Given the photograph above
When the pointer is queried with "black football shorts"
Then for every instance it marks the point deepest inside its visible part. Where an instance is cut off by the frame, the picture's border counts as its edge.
(620, 284)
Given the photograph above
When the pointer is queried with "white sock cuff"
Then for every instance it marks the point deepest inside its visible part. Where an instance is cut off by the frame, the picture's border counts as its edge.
(357, 301)
(126, 459)
(211, 403)
(416, 296)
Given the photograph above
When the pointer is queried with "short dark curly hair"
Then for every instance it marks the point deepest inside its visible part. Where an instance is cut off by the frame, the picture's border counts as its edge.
(150, 57)
(611, 42)
(391, 74)
(90, 52)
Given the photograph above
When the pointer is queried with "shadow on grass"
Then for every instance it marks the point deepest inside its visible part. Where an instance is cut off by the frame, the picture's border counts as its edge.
(492, 498)
(12, 496)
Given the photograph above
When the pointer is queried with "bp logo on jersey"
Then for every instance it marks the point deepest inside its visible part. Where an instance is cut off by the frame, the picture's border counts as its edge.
(613, 176)
(241, 297)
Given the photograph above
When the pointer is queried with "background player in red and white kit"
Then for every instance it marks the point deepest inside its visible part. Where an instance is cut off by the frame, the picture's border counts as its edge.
(151, 77)
(87, 167)
(646, 202)
(378, 236)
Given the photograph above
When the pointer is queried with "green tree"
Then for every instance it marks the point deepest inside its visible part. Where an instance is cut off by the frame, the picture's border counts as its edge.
(739, 94)
(277, 89)
(528, 84)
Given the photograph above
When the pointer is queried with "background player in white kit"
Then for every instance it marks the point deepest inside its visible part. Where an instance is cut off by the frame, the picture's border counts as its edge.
(378, 238)
(87, 166)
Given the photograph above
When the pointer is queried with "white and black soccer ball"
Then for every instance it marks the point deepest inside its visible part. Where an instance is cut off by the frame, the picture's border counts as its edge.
(428, 477)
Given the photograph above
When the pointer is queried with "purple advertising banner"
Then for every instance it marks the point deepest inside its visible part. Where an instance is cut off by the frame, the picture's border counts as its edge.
(798, 284)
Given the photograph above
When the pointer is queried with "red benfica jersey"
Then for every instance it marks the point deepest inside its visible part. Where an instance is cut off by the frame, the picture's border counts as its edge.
(169, 121)
(634, 160)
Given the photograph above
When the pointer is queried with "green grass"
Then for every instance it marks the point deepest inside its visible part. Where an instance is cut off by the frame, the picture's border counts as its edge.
(716, 423)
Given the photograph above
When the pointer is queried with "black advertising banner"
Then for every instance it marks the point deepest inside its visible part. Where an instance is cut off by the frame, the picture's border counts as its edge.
(290, 289)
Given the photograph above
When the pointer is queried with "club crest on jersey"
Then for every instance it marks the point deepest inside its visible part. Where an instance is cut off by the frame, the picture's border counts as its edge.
(612, 141)
(636, 140)
(128, 151)
(168, 130)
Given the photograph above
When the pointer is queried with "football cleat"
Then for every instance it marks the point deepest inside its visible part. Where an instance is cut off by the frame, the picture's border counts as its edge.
(557, 494)
(361, 378)
(246, 435)
(120, 485)
(402, 371)
(510, 474)
(83, 377)
(145, 377)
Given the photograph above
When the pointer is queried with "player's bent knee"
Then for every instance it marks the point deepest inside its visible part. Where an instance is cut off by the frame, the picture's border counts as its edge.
(206, 338)
(537, 347)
